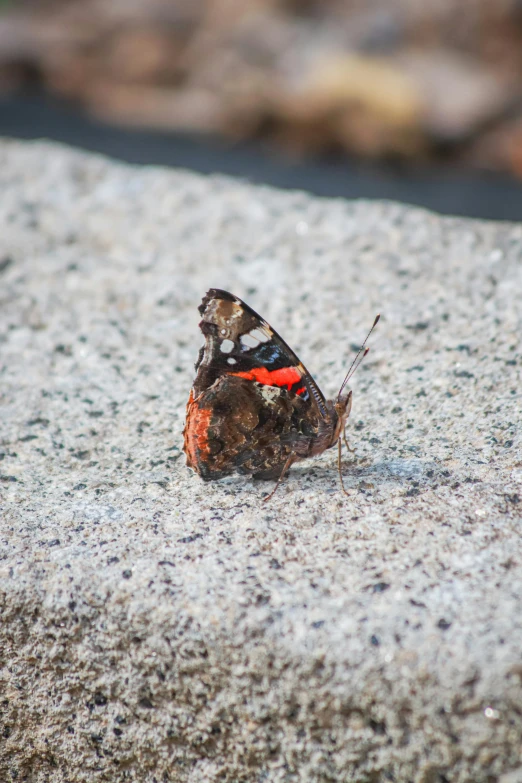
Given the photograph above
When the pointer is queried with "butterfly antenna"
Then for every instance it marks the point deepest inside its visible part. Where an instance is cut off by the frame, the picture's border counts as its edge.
(360, 355)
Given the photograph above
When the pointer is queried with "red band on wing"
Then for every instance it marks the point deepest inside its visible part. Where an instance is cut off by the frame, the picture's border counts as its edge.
(285, 377)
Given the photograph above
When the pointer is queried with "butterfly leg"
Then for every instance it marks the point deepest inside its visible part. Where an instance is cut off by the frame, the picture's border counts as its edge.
(288, 463)
(339, 447)
(352, 451)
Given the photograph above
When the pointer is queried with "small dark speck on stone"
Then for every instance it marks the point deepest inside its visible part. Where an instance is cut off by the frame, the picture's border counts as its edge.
(318, 624)
(463, 374)
(8, 478)
(374, 441)
(38, 420)
(95, 414)
(54, 542)
(374, 640)
(411, 492)
(508, 444)
(189, 539)
(100, 699)
(127, 573)
(27, 438)
(111, 560)
(80, 486)
(421, 393)
(118, 732)
(5, 263)
(146, 703)
(397, 409)
(515, 499)
(80, 454)
(443, 624)
(419, 326)
(65, 350)
(379, 727)
(97, 737)
(380, 587)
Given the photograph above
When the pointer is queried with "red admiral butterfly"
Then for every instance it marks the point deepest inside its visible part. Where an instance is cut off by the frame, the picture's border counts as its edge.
(254, 408)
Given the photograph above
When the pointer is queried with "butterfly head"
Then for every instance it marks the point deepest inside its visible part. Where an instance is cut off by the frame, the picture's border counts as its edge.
(342, 407)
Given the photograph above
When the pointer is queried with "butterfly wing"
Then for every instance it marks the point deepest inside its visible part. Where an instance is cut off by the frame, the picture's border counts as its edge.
(239, 342)
(253, 403)
(241, 426)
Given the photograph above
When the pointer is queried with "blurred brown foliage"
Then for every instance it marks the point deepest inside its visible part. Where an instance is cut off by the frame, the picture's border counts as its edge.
(393, 78)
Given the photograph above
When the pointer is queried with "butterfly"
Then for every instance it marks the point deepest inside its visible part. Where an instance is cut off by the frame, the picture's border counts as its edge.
(254, 408)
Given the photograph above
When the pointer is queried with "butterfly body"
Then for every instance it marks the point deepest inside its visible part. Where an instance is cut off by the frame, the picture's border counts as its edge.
(253, 409)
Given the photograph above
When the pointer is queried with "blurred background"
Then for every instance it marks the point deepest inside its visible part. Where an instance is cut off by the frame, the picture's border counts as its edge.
(406, 99)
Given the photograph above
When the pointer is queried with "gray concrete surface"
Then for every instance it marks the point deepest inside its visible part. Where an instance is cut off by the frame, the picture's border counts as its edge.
(155, 628)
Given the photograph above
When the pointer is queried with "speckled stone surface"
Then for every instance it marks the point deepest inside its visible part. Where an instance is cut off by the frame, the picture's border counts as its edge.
(154, 628)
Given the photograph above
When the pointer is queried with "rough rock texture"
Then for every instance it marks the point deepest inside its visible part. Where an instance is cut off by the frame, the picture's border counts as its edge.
(155, 628)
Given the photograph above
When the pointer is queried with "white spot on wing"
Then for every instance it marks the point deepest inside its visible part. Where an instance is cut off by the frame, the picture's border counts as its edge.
(248, 341)
(226, 346)
(270, 393)
(231, 360)
(261, 335)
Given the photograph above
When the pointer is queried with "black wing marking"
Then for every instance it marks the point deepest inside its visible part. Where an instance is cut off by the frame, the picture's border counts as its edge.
(273, 354)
